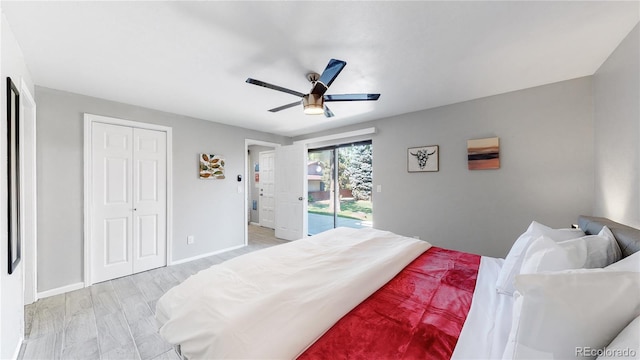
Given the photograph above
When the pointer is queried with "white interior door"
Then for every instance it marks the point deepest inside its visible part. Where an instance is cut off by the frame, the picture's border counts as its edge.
(112, 159)
(129, 186)
(267, 189)
(291, 192)
(149, 199)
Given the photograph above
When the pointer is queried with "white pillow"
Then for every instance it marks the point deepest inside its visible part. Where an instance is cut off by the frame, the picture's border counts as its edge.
(555, 314)
(605, 231)
(613, 253)
(545, 254)
(625, 346)
(630, 263)
(513, 261)
(592, 251)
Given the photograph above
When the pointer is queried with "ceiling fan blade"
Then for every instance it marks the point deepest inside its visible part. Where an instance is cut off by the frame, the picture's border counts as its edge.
(328, 75)
(286, 106)
(328, 112)
(351, 97)
(274, 87)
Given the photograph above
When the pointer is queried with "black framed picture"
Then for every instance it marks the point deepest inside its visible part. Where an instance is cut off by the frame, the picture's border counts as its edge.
(13, 174)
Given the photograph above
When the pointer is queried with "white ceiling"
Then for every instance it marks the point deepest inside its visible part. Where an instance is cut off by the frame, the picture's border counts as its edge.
(192, 58)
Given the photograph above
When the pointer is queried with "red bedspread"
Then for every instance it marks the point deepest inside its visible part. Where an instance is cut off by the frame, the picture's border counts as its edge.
(417, 315)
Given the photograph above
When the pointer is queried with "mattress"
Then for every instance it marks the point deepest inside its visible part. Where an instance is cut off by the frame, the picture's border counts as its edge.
(274, 302)
(335, 295)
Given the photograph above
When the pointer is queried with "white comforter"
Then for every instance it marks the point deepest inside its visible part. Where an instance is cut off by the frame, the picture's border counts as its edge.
(275, 302)
(486, 329)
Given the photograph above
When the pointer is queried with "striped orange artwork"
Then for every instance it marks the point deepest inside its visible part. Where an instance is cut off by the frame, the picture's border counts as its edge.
(483, 154)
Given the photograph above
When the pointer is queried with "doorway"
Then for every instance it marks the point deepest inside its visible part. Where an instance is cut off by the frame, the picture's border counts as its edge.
(253, 180)
(266, 189)
(339, 181)
(255, 177)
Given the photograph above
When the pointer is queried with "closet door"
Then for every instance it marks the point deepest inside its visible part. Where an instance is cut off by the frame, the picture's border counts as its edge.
(112, 226)
(149, 199)
(129, 192)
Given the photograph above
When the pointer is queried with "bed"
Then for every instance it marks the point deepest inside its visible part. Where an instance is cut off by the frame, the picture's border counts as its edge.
(371, 294)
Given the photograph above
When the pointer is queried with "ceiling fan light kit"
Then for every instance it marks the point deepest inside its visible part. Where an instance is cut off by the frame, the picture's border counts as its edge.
(313, 102)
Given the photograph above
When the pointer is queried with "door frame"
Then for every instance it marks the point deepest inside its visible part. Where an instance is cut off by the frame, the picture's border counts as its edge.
(247, 143)
(28, 182)
(89, 120)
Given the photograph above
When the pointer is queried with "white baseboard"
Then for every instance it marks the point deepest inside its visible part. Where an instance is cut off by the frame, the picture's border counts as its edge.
(60, 290)
(254, 223)
(182, 261)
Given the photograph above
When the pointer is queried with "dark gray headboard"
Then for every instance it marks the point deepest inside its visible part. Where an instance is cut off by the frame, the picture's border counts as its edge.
(628, 237)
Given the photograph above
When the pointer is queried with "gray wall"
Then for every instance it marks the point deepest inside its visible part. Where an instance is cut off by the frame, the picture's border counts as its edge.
(546, 174)
(616, 87)
(210, 210)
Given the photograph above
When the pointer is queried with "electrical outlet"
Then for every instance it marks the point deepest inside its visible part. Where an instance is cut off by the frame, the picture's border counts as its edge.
(190, 239)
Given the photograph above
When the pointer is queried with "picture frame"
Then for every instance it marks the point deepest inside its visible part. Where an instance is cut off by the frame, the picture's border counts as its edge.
(13, 176)
(423, 158)
(483, 154)
(211, 166)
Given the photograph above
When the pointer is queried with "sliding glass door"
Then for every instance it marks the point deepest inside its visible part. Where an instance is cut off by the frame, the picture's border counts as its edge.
(339, 180)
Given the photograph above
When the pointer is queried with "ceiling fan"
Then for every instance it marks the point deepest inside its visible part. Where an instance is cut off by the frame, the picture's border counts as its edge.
(314, 102)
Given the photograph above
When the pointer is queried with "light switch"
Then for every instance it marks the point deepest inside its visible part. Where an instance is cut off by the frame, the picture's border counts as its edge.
(379, 188)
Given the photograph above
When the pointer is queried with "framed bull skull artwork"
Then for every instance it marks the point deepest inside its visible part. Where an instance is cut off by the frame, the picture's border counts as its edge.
(423, 158)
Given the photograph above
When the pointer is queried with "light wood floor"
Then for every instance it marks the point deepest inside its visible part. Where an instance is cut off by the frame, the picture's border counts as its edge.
(115, 319)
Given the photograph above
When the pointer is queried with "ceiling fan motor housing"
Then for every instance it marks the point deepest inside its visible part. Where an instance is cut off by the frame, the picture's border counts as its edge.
(313, 77)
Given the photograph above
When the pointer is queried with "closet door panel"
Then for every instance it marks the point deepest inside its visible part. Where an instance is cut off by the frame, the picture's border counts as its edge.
(112, 201)
(150, 199)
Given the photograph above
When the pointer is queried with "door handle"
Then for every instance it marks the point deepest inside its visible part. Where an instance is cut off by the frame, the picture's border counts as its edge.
(300, 198)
